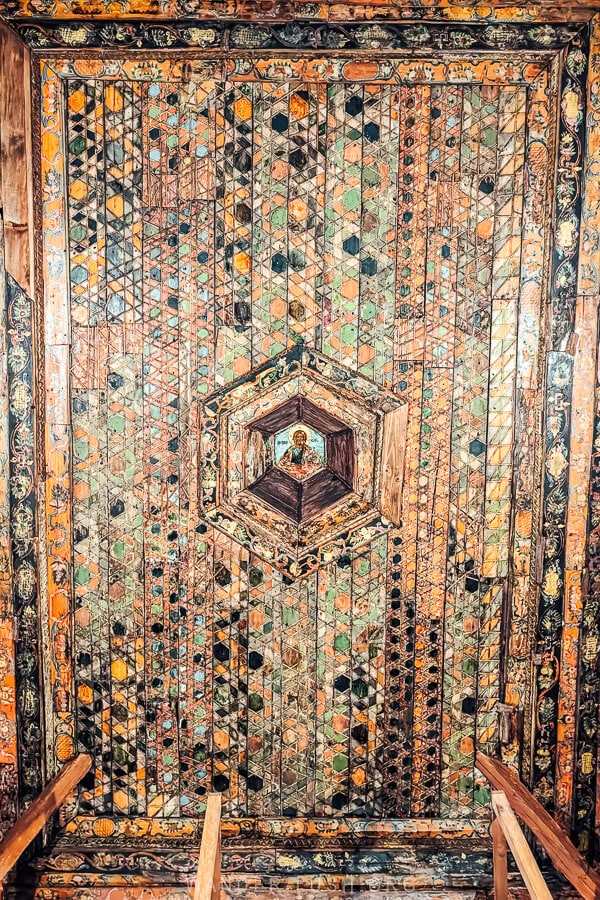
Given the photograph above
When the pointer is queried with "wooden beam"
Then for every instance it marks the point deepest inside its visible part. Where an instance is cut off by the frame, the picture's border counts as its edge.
(524, 858)
(16, 157)
(564, 855)
(500, 861)
(29, 825)
(208, 876)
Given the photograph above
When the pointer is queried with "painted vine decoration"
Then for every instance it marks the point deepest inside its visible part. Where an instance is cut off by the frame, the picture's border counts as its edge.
(297, 35)
(23, 535)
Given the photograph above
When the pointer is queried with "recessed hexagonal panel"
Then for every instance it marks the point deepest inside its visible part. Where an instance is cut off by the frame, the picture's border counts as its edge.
(299, 451)
(293, 458)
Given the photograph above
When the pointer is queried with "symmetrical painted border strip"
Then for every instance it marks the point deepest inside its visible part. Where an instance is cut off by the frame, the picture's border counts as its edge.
(505, 69)
(23, 538)
(270, 828)
(556, 620)
(494, 13)
(45, 34)
(571, 143)
(588, 694)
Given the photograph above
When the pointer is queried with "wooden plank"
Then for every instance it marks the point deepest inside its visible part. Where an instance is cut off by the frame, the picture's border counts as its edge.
(392, 463)
(15, 156)
(500, 861)
(216, 881)
(32, 821)
(524, 858)
(208, 876)
(564, 855)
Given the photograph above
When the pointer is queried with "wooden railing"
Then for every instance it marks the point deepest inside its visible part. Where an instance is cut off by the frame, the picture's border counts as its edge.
(510, 796)
(506, 830)
(29, 825)
(208, 877)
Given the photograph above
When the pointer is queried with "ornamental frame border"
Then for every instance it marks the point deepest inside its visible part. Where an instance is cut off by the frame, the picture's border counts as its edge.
(570, 253)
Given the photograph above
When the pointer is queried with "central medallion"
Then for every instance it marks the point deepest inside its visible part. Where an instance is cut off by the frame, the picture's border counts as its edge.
(302, 460)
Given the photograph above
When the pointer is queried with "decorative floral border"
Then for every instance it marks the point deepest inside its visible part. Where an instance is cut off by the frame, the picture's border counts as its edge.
(297, 35)
(570, 140)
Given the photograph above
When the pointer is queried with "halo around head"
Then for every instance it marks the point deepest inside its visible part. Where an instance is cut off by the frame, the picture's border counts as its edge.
(296, 428)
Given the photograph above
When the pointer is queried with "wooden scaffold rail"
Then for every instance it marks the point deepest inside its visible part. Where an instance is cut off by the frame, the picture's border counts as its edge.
(29, 825)
(208, 877)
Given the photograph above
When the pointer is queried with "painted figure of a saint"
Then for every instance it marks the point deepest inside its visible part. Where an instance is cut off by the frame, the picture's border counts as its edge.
(300, 460)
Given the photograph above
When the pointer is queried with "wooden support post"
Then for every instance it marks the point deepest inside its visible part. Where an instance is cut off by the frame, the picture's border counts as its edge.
(564, 855)
(208, 876)
(29, 825)
(524, 858)
(216, 884)
(500, 861)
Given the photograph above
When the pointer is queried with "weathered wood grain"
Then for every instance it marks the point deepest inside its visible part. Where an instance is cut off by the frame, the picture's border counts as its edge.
(15, 157)
(392, 463)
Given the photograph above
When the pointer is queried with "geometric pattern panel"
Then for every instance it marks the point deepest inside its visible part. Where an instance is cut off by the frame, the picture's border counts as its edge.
(217, 231)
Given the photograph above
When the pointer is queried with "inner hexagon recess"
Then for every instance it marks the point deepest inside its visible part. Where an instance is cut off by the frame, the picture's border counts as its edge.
(303, 482)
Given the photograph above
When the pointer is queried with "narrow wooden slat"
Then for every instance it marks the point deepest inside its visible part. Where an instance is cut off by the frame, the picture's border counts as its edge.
(15, 157)
(392, 463)
(208, 876)
(524, 858)
(500, 861)
(216, 883)
(43, 807)
(564, 855)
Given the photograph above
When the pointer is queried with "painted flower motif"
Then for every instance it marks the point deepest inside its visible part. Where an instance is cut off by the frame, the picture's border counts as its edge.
(551, 584)
(75, 35)
(420, 73)
(375, 36)
(502, 36)
(571, 108)
(567, 234)
(544, 35)
(20, 398)
(161, 37)
(462, 39)
(566, 276)
(290, 862)
(576, 61)
(25, 581)
(17, 358)
(556, 463)
(250, 37)
(146, 71)
(334, 39)
(7, 729)
(550, 624)
(20, 486)
(200, 37)
(280, 71)
(546, 709)
(35, 37)
(117, 33)
(294, 35)
(23, 438)
(561, 376)
(416, 35)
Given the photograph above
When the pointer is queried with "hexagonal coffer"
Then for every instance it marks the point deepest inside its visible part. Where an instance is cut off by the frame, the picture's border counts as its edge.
(302, 460)
(315, 469)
